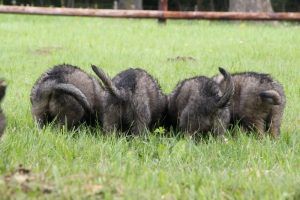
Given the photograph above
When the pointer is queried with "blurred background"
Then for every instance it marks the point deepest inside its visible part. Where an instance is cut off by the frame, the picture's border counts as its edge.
(173, 5)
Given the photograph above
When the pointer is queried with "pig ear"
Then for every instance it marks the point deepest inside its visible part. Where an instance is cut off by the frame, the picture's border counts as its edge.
(271, 97)
(2, 88)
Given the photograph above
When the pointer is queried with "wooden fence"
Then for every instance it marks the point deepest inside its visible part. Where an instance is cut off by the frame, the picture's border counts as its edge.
(161, 14)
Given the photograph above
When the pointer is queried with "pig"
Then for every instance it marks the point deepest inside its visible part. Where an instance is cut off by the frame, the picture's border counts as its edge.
(66, 95)
(2, 116)
(258, 102)
(198, 105)
(134, 101)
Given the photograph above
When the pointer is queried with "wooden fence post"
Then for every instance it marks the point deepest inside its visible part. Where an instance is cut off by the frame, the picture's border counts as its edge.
(163, 6)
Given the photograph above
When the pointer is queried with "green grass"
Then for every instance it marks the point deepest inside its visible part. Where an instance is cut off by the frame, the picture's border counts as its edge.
(82, 164)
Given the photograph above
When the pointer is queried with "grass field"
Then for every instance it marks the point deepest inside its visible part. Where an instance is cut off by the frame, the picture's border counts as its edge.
(82, 164)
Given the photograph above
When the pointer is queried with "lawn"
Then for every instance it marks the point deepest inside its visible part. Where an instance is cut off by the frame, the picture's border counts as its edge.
(62, 164)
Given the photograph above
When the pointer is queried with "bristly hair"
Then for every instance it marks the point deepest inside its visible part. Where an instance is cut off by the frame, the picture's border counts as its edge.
(260, 76)
(158, 86)
(128, 80)
(58, 72)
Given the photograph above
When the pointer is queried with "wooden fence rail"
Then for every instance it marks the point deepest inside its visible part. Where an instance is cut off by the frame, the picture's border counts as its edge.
(161, 14)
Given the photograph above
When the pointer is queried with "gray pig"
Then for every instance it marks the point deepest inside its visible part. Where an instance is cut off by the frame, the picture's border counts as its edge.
(133, 102)
(198, 105)
(67, 95)
(258, 102)
(2, 117)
